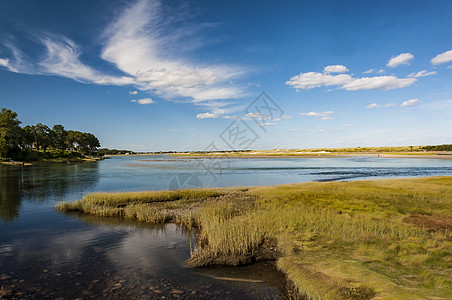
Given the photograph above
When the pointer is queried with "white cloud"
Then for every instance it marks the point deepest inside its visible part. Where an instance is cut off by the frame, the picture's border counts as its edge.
(375, 105)
(136, 44)
(18, 62)
(401, 59)
(206, 115)
(410, 102)
(346, 125)
(139, 42)
(313, 79)
(442, 58)
(422, 73)
(133, 92)
(63, 60)
(143, 101)
(326, 115)
(449, 67)
(378, 82)
(335, 69)
(256, 115)
(369, 71)
(4, 62)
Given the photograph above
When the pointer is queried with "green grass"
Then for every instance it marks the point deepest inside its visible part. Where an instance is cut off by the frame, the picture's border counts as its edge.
(385, 239)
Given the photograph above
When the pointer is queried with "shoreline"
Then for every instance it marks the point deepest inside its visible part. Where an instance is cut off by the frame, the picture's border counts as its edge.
(321, 155)
(328, 238)
(50, 161)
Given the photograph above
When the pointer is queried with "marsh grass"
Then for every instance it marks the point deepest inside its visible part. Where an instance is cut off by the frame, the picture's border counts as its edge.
(334, 240)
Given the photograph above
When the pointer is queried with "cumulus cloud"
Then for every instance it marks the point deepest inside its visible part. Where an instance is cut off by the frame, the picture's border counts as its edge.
(256, 115)
(422, 73)
(378, 83)
(206, 115)
(313, 79)
(326, 115)
(133, 92)
(375, 105)
(143, 101)
(410, 102)
(442, 58)
(335, 69)
(401, 59)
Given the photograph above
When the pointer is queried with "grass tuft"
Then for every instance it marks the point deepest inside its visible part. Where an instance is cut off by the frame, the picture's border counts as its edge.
(389, 239)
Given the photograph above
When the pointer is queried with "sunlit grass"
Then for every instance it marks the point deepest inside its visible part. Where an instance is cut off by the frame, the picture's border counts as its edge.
(334, 240)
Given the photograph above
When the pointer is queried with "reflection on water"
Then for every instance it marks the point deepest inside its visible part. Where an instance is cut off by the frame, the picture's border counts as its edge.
(45, 254)
(10, 190)
(42, 183)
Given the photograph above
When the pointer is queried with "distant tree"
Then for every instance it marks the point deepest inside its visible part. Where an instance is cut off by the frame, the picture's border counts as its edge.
(91, 143)
(29, 136)
(11, 134)
(42, 136)
(72, 140)
(59, 137)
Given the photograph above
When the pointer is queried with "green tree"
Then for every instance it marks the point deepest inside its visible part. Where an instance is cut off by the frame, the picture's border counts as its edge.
(11, 135)
(77, 141)
(59, 137)
(29, 136)
(91, 142)
(42, 135)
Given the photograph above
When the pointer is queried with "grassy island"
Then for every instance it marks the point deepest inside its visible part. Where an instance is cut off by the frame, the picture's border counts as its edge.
(381, 239)
(438, 151)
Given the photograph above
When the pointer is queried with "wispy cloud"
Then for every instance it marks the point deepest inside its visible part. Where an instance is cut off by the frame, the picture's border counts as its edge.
(410, 102)
(4, 62)
(133, 92)
(137, 43)
(62, 58)
(442, 58)
(326, 115)
(422, 73)
(375, 105)
(401, 59)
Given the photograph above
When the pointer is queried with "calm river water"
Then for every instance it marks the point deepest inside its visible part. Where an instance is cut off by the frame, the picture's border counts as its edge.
(45, 254)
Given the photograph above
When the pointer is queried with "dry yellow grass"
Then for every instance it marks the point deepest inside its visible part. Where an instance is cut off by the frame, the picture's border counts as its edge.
(385, 239)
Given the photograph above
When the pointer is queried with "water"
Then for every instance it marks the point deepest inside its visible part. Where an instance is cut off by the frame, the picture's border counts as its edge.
(45, 254)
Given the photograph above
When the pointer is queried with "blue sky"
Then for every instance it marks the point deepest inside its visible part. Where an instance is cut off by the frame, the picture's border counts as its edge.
(174, 75)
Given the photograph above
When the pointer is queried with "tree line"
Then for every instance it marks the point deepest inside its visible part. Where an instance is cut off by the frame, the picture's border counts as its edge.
(21, 143)
(446, 147)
